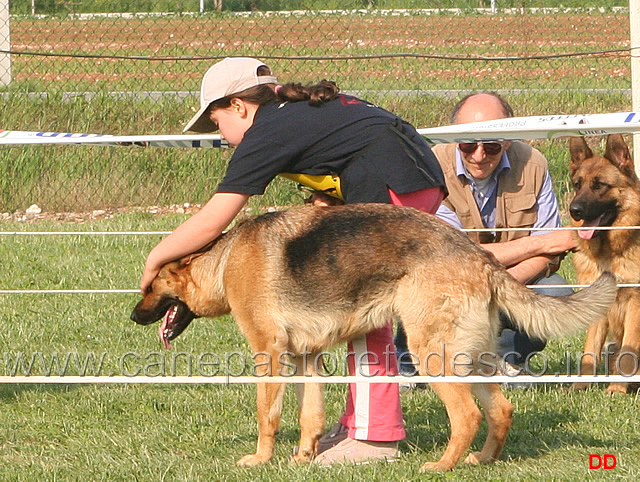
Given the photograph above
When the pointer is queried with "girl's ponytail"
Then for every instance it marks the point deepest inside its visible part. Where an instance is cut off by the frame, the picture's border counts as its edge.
(316, 94)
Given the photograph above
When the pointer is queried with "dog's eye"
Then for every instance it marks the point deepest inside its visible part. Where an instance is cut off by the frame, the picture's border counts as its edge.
(597, 185)
(577, 184)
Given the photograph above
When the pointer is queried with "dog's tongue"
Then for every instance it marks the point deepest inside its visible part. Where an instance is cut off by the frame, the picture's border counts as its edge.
(586, 233)
(589, 233)
(163, 331)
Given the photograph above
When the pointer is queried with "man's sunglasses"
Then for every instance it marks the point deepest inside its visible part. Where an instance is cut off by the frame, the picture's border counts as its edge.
(491, 148)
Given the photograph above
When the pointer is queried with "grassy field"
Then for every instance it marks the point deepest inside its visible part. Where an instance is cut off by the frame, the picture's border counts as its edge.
(147, 432)
(359, 53)
(187, 433)
(80, 178)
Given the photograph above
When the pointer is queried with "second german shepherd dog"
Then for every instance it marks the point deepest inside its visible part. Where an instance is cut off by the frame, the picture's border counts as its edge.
(607, 193)
(303, 280)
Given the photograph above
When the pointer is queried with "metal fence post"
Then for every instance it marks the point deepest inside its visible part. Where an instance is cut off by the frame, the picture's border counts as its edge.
(5, 44)
(634, 23)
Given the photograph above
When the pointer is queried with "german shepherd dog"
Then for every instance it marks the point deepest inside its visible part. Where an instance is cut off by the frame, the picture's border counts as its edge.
(303, 280)
(607, 193)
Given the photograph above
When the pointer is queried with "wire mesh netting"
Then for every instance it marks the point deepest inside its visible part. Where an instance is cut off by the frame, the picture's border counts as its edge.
(116, 68)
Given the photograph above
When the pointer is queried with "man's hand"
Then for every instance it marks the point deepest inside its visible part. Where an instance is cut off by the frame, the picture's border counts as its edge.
(559, 242)
(320, 199)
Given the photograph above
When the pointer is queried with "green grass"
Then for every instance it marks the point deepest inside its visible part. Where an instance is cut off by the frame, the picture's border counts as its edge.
(197, 433)
(80, 178)
(156, 432)
(146, 432)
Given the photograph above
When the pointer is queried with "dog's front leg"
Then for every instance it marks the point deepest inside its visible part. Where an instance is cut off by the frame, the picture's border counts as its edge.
(269, 399)
(311, 415)
(626, 360)
(596, 336)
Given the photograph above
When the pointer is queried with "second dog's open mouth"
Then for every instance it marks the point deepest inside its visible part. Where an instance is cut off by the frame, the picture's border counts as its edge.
(605, 219)
(589, 233)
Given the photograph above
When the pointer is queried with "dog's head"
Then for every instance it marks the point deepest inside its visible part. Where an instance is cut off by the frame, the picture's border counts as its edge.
(166, 300)
(599, 183)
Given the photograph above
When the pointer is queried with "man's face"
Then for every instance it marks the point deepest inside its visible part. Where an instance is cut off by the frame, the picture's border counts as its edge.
(481, 159)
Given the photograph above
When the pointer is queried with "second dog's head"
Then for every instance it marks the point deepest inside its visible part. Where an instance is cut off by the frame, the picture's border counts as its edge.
(600, 183)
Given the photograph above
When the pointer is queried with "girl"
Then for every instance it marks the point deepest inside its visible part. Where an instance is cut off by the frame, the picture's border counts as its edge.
(313, 130)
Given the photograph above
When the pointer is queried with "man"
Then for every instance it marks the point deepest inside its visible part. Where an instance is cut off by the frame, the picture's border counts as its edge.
(504, 184)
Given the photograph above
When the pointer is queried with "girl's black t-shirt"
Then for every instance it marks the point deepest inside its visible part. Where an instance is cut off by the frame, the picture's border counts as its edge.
(370, 149)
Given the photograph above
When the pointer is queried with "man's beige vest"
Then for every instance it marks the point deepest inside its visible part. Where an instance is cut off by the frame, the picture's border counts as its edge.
(518, 190)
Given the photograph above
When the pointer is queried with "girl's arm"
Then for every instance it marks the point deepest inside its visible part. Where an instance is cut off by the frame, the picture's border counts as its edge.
(195, 233)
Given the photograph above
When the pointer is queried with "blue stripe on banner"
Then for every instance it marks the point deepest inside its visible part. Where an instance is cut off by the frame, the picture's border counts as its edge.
(196, 144)
(630, 116)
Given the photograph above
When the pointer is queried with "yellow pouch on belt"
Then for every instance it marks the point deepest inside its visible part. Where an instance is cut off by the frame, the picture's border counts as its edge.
(328, 184)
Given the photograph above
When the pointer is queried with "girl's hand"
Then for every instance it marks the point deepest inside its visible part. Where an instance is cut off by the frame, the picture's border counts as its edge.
(195, 233)
(149, 274)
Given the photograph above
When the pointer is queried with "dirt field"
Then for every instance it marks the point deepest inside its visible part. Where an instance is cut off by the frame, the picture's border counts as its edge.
(449, 37)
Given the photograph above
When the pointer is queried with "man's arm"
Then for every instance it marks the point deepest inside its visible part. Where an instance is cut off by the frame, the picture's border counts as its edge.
(518, 250)
(532, 268)
(449, 216)
(511, 253)
(527, 257)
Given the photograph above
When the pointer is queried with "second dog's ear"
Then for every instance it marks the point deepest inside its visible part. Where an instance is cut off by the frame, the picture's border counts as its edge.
(579, 150)
(618, 153)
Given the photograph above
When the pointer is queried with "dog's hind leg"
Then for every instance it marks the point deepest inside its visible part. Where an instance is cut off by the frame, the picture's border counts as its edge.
(311, 412)
(464, 417)
(464, 414)
(499, 413)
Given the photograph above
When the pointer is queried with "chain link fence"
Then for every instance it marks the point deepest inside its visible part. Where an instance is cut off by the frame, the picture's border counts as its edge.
(117, 68)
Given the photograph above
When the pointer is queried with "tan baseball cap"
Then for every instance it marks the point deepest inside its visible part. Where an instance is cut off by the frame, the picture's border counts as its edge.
(227, 77)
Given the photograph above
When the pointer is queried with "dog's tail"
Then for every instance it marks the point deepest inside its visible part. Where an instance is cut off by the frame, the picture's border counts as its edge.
(546, 316)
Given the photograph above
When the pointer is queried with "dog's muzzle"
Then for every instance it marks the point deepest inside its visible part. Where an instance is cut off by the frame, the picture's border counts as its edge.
(175, 315)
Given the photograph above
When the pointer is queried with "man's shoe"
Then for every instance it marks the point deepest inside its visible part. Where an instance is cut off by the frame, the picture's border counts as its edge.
(332, 438)
(351, 451)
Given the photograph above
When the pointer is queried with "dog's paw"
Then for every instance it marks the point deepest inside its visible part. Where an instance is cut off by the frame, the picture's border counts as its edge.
(474, 458)
(252, 460)
(436, 467)
(617, 389)
(301, 458)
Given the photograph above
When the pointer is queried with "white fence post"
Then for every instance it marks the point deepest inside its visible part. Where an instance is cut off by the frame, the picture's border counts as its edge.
(634, 23)
(5, 44)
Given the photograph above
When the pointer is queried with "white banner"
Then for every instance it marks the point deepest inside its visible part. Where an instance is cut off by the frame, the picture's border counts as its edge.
(8, 138)
(532, 127)
(537, 127)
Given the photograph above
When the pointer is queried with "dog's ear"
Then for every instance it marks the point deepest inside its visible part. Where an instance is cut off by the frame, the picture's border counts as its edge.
(186, 260)
(170, 269)
(579, 150)
(618, 153)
